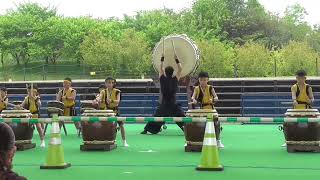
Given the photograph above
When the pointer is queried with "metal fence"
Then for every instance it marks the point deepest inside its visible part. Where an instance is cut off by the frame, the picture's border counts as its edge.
(54, 72)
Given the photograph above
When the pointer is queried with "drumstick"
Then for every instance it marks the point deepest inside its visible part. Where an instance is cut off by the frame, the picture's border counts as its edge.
(27, 86)
(163, 46)
(174, 48)
(31, 89)
(10, 104)
(1, 97)
(108, 95)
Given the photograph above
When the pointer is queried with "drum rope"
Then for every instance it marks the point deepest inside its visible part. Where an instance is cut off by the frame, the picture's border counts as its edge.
(194, 143)
(98, 142)
(304, 143)
(23, 141)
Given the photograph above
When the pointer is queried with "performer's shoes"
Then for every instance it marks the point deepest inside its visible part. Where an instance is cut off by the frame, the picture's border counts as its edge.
(42, 144)
(219, 144)
(144, 132)
(284, 145)
(125, 144)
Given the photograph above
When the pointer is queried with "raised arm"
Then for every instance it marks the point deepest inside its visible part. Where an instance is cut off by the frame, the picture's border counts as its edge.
(294, 96)
(311, 97)
(6, 101)
(178, 75)
(161, 72)
(193, 98)
(23, 104)
(59, 95)
(215, 96)
(118, 99)
(38, 101)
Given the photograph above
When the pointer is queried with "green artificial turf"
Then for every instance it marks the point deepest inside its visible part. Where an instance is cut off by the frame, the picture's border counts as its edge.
(251, 152)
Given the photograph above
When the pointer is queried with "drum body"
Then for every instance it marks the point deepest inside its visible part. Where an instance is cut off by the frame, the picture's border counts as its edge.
(98, 135)
(185, 49)
(55, 107)
(23, 131)
(302, 136)
(194, 131)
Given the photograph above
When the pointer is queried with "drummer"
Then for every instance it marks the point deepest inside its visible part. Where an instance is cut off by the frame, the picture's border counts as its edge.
(168, 106)
(109, 99)
(302, 94)
(206, 97)
(68, 96)
(3, 99)
(32, 103)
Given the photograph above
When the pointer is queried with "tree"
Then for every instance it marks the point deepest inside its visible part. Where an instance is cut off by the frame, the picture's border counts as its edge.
(154, 24)
(244, 22)
(296, 56)
(19, 29)
(16, 31)
(101, 53)
(253, 60)
(77, 30)
(50, 39)
(216, 58)
(208, 17)
(131, 54)
(135, 53)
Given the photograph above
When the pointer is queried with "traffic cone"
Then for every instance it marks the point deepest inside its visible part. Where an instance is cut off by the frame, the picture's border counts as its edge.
(55, 157)
(210, 155)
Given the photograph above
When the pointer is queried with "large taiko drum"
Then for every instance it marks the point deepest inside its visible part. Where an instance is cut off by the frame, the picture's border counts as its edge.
(98, 135)
(194, 131)
(185, 49)
(302, 136)
(55, 108)
(23, 131)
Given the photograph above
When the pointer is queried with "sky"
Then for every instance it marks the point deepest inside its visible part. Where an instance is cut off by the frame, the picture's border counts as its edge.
(116, 8)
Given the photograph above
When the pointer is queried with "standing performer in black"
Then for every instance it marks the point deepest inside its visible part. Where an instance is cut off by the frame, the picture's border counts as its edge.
(168, 106)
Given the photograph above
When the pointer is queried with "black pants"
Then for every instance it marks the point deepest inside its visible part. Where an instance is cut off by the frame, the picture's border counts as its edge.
(165, 110)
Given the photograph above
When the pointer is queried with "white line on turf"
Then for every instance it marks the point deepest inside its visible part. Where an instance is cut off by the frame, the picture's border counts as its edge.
(149, 151)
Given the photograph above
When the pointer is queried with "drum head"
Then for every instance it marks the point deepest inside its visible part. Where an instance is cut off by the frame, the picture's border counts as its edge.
(86, 101)
(56, 104)
(98, 111)
(186, 51)
(201, 112)
(302, 112)
(88, 104)
(16, 102)
(15, 114)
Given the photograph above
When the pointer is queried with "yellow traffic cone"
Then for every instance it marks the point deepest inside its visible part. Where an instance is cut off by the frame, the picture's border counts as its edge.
(55, 157)
(209, 155)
